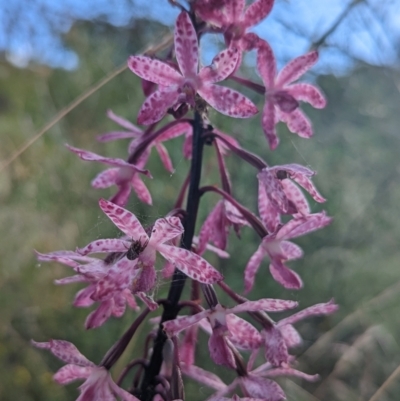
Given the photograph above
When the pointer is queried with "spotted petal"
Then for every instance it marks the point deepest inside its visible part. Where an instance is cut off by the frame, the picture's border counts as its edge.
(191, 264)
(123, 219)
(228, 101)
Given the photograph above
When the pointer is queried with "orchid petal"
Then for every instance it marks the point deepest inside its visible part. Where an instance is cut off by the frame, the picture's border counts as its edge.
(228, 101)
(222, 66)
(69, 373)
(252, 268)
(296, 68)
(105, 245)
(307, 93)
(65, 351)
(106, 178)
(191, 264)
(186, 45)
(155, 106)
(166, 229)
(285, 276)
(266, 304)
(154, 70)
(257, 11)
(123, 219)
(141, 190)
(124, 123)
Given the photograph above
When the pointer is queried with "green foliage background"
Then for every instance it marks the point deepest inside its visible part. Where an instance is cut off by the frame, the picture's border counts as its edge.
(47, 204)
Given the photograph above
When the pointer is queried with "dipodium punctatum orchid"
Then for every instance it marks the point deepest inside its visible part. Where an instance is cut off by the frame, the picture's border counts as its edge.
(282, 96)
(118, 271)
(177, 87)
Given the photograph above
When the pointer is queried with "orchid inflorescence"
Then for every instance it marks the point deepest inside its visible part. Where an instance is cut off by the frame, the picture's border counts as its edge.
(127, 271)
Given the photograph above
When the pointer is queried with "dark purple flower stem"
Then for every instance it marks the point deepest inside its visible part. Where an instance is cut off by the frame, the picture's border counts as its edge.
(171, 309)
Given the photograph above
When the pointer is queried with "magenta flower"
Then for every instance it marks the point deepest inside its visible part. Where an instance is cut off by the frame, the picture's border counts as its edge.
(280, 250)
(174, 130)
(219, 345)
(230, 17)
(98, 385)
(256, 385)
(96, 272)
(216, 226)
(279, 195)
(124, 175)
(163, 231)
(282, 97)
(177, 87)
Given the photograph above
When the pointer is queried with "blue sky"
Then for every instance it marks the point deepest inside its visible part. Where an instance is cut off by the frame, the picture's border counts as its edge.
(370, 32)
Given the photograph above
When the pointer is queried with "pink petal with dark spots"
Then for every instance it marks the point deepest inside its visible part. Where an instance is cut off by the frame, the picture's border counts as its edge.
(285, 371)
(222, 66)
(266, 304)
(106, 178)
(186, 45)
(220, 352)
(268, 212)
(65, 351)
(123, 219)
(303, 226)
(99, 316)
(155, 106)
(141, 190)
(265, 389)
(191, 264)
(275, 347)
(268, 124)
(285, 276)
(202, 376)
(105, 245)
(252, 268)
(291, 335)
(69, 373)
(290, 250)
(228, 101)
(307, 93)
(257, 11)
(296, 196)
(315, 310)
(164, 156)
(266, 64)
(296, 68)
(306, 183)
(173, 327)
(166, 229)
(83, 298)
(297, 123)
(274, 190)
(214, 229)
(90, 156)
(154, 70)
(242, 334)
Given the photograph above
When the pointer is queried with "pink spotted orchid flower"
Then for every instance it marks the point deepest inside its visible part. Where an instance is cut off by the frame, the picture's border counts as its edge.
(279, 195)
(219, 342)
(232, 19)
(280, 250)
(123, 174)
(180, 86)
(163, 231)
(173, 130)
(282, 96)
(95, 272)
(98, 385)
